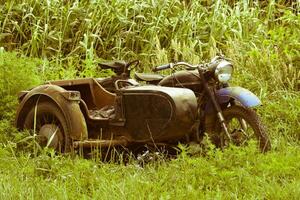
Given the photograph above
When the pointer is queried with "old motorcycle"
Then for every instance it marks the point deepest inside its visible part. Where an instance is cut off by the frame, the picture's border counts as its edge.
(225, 113)
(103, 113)
(118, 111)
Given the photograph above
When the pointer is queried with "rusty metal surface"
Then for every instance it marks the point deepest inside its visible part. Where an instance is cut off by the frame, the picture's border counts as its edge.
(184, 79)
(162, 113)
(55, 94)
(94, 95)
(100, 143)
(136, 114)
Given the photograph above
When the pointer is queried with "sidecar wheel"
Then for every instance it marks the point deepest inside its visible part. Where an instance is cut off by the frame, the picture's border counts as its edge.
(50, 126)
(243, 125)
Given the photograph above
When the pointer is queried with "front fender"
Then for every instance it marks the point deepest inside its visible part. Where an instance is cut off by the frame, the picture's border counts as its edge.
(242, 95)
(223, 96)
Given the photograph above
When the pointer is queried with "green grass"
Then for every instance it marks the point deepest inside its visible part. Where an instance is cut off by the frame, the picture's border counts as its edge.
(66, 39)
(234, 173)
(259, 36)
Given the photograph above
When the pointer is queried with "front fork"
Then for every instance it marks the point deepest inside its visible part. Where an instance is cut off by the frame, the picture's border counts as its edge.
(217, 107)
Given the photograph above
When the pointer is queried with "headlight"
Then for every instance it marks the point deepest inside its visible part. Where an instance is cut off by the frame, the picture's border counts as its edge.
(223, 71)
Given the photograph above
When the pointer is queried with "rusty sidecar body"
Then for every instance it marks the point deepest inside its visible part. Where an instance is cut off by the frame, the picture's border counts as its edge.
(67, 114)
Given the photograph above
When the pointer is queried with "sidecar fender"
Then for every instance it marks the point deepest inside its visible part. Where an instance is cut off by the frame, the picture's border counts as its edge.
(242, 95)
(66, 101)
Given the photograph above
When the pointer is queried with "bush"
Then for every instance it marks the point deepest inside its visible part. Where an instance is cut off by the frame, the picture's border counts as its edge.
(16, 74)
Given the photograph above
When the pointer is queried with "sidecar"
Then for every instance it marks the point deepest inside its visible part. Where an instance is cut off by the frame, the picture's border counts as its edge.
(67, 114)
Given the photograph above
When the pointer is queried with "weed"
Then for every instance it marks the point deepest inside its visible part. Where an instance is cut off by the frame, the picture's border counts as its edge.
(72, 37)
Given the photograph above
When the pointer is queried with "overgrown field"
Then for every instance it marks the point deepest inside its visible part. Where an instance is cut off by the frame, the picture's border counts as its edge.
(42, 40)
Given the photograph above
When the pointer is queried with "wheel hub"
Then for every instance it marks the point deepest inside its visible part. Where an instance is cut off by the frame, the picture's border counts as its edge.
(49, 135)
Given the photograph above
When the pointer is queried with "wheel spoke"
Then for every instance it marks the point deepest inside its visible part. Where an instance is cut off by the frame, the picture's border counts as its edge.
(245, 128)
(240, 131)
(51, 135)
(48, 124)
(243, 124)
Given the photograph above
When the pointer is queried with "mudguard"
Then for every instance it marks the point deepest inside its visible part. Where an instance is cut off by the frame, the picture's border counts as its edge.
(224, 95)
(242, 95)
(67, 102)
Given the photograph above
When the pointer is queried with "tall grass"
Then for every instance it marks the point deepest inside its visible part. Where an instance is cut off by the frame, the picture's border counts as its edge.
(70, 37)
(232, 174)
(261, 37)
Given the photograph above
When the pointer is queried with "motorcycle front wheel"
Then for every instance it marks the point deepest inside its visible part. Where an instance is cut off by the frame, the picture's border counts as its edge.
(244, 127)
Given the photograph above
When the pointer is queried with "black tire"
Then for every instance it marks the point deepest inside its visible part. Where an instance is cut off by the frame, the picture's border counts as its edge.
(244, 116)
(47, 113)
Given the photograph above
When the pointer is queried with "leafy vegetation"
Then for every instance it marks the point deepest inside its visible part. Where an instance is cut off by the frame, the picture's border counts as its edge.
(235, 173)
(74, 33)
(66, 39)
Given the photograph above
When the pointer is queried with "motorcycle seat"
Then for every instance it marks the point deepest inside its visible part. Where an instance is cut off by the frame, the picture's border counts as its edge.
(148, 77)
(115, 65)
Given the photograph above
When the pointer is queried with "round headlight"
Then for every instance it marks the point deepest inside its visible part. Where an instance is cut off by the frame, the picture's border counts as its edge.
(223, 71)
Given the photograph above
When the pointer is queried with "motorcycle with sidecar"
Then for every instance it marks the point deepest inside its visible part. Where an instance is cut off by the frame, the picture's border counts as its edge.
(166, 111)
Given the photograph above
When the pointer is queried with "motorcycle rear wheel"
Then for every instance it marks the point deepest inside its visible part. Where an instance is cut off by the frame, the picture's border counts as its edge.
(244, 126)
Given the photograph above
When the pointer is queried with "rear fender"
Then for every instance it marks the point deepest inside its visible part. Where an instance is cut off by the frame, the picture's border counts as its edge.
(66, 101)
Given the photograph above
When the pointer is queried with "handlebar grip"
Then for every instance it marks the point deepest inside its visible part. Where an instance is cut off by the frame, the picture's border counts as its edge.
(161, 67)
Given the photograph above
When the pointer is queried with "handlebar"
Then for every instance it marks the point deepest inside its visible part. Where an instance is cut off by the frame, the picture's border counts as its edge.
(172, 65)
(209, 66)
(162, 67)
